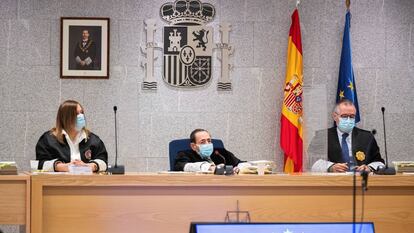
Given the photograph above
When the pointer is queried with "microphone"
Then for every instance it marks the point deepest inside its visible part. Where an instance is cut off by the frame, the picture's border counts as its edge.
(226, 169)
(221, 156)
(381, 169)
(117, 169)
(364, 175)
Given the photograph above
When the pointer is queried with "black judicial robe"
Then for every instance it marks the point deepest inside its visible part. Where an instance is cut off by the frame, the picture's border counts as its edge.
(190, 156)
(49, 148)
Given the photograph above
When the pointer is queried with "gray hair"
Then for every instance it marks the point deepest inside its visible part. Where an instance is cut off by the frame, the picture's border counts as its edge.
(342, 101)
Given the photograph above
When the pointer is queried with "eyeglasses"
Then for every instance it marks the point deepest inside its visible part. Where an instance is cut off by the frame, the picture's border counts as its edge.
(352, 116)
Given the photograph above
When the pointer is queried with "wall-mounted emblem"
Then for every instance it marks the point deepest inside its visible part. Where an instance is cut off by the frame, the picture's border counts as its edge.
(188, 43)
(188, 46)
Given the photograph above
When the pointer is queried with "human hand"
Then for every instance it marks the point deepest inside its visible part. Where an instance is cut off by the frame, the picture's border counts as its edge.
(82, 63)
(93, 166)
(212, 168)
(62, 167)
(363, 168)
(339, 167)
(78, 162)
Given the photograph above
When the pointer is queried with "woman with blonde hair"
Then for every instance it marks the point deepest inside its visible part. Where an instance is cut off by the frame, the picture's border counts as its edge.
(70, 142)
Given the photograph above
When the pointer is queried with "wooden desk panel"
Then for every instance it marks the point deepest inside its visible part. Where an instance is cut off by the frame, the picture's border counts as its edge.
(15, 200)
(168, 203)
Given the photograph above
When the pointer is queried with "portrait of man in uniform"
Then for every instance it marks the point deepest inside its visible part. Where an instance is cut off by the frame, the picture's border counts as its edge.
(85, 52)
(84, 42)
(85, 48)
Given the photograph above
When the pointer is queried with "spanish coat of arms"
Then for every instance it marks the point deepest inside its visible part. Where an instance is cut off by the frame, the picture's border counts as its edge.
(188, 46)
(188, 43)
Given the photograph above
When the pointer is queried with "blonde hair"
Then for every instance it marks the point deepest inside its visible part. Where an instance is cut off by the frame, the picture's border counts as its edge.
(66, 119)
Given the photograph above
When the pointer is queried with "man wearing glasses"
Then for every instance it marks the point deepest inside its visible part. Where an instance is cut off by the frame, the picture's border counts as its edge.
(349, 148)
(203, 156)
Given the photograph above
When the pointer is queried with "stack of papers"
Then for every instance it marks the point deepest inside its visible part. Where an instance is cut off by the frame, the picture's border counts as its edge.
(253, 167)
(8, 168)
(80, 170)
(404, 166)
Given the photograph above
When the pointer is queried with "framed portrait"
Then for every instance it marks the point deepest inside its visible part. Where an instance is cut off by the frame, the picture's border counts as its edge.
(84, 48)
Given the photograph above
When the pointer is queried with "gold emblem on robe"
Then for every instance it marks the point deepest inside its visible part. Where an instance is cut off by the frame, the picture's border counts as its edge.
(360, 156)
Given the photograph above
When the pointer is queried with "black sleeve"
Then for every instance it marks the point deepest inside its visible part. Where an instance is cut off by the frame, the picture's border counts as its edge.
(76, 51)
(100, 152)
(180, 161)
(374, 152)
(92, 52)
(231, 158)
(43, 150)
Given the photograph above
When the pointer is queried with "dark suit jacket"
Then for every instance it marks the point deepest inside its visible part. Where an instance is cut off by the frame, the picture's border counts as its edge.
(362, 141)
(190, 156)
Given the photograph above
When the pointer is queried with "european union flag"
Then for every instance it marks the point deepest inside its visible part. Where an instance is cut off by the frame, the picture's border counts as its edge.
(346, 80)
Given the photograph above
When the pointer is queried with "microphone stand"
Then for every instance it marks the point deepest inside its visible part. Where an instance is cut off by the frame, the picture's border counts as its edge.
(385, 170)
(354, 202)
(364, 175)
(117, 169)
(364, 183)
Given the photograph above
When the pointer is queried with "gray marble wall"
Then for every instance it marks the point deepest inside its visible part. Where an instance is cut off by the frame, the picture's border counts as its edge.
(247, 118)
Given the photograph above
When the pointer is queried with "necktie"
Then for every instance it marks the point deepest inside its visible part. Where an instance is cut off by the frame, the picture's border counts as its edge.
(345, 149)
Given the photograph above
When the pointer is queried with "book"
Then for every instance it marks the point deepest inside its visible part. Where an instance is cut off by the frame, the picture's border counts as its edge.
(8, 168)
(404, 166)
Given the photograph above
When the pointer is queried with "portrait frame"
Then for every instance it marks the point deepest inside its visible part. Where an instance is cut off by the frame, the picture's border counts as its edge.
(84, 48)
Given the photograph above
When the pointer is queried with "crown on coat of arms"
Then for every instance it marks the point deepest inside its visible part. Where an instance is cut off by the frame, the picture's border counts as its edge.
(187, 12)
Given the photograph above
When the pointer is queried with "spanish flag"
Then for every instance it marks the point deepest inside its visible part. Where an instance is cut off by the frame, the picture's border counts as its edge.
(291, 122)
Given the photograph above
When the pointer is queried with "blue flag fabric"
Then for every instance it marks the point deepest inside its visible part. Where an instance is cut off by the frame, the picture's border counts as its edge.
(346, 80)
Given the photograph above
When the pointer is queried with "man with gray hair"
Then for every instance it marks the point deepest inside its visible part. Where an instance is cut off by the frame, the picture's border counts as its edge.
(349, 148)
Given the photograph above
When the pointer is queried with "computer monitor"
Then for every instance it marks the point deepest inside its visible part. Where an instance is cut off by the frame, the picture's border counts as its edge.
(365, 227)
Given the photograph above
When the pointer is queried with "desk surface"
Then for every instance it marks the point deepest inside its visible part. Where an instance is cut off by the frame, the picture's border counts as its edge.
(151, 202)
(189, 179)
(20, 176)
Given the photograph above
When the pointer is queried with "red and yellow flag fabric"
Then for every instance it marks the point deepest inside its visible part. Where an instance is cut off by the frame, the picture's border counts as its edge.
(291, 122)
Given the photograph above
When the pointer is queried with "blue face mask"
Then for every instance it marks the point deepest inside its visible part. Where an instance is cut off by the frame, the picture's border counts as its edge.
(80, 122)
(346, 124)
(205, 150)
